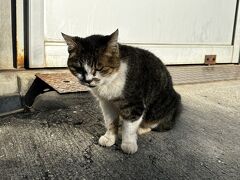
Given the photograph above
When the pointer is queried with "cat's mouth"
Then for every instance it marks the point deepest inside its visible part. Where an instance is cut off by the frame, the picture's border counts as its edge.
(91, 84)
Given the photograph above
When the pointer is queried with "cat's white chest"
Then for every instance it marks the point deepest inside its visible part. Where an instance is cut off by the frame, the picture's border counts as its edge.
(112, 86)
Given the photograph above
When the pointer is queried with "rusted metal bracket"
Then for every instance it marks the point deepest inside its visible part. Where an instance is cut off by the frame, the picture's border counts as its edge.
(38, 87)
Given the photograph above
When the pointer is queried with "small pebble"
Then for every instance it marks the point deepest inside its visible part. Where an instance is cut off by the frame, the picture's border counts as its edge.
(54, 124)
(69, 160)
(44, 122)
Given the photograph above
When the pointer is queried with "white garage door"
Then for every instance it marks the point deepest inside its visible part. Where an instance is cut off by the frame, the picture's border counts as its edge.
(177, 31)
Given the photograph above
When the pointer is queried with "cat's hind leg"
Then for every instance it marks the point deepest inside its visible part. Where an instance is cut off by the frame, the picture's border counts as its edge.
(164, 112)
(142, 130)
(147, 126)
(111, 118)
(163, 124)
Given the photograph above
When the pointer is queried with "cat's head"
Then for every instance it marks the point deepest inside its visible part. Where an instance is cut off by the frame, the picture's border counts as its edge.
(93, 58)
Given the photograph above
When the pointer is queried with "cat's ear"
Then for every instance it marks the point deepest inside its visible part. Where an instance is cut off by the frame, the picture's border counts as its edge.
(70, 41)
(113, 42)
(114, 38)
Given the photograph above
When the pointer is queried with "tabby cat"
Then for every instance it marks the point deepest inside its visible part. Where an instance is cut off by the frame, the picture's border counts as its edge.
(131, 84)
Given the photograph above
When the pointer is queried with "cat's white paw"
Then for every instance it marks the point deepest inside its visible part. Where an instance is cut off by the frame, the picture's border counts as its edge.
(107, 140)
(129, 147)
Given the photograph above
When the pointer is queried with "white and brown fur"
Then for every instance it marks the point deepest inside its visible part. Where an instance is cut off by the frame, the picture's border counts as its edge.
(131, 84)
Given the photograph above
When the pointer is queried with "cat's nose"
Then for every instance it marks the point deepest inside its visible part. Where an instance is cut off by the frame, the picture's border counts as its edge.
(88, 81)
(88, 78)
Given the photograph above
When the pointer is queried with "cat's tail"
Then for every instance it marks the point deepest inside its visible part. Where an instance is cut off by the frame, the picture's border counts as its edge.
(170, 119)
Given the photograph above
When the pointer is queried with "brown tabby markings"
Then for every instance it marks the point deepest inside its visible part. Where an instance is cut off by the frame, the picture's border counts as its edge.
(109, 62)
(132, 80)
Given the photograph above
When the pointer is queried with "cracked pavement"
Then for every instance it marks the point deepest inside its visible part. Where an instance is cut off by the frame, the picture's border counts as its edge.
(59, 140)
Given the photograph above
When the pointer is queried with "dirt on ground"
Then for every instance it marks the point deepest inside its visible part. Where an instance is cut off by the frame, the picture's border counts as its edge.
(59, 140)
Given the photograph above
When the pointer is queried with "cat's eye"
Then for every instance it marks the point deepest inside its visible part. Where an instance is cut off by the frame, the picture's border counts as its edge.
(99, 69)
(80, 69)
(105, 69)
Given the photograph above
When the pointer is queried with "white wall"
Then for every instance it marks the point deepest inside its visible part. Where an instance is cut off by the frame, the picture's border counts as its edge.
(177, 31)
(6, 57)
(144, 21)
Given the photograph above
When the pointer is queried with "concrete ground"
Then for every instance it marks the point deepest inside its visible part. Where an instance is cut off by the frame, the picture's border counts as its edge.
(59, 140)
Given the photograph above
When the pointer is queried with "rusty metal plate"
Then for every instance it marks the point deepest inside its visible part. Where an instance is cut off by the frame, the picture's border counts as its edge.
(62, 82)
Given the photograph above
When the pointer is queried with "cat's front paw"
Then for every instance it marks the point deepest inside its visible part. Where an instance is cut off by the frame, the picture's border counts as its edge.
(107, 140)
(129, 147)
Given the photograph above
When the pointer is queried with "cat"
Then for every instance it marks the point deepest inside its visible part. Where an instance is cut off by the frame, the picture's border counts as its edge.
(131, 84)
